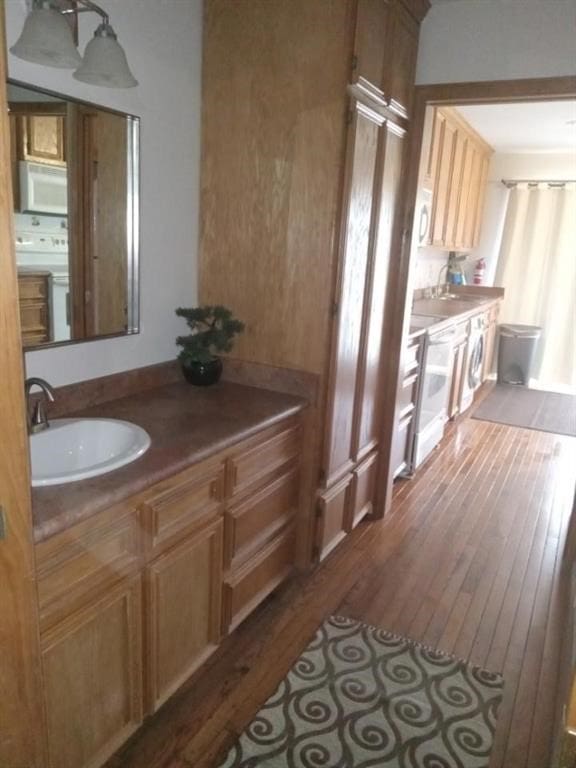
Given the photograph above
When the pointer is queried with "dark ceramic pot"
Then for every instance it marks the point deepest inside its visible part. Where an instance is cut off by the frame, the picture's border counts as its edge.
(202, 374)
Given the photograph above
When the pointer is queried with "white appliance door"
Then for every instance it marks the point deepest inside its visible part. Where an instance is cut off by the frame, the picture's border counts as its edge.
(436, 382)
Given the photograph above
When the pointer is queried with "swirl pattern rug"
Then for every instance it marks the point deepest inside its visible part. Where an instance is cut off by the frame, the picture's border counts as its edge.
(359, 697)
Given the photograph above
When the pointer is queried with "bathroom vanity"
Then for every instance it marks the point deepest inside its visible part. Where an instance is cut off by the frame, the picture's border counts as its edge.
(142, 572)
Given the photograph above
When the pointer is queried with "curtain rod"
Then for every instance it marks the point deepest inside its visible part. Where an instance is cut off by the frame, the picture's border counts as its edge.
(552, 182)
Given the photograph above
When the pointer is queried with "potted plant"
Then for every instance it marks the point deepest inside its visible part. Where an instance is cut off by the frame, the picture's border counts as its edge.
(212, 330)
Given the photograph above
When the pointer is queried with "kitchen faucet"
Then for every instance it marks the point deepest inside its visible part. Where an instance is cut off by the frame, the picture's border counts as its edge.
(439, 284)
(37, 419)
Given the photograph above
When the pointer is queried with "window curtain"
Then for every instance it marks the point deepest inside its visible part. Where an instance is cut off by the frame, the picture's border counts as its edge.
(537, 268)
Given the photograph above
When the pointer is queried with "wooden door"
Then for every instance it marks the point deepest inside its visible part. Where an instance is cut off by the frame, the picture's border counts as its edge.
(370, 383)
(350, 294)
(401, 46)
(21, 714)
(99, 251)
(372, 22)
(183, 611)
(93, 678)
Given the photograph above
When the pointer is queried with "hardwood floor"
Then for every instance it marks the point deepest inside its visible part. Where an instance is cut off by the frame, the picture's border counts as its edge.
(470, 562)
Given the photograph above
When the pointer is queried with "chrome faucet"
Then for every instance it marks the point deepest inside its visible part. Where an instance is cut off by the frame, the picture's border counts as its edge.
(439, 284)
(37, 419)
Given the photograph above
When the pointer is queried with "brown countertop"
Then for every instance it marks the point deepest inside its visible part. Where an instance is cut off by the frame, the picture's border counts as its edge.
(458, 309)
(186, 424)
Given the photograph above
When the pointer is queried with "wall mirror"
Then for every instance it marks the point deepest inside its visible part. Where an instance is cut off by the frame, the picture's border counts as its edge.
(75, 180)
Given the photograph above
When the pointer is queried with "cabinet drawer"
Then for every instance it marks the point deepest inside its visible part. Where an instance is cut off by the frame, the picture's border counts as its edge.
(183, 502)
(407, 395)
(30, 288)
(245, 589)
(262, 457)
(93, 553)
(364, 480)
(402, 445)
(250, 524)
(412, 358)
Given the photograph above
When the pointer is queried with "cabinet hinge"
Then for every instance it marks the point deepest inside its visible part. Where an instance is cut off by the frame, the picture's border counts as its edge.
(315, 553)
(349, 116)
(335, 308)
(2, 523)
(319, 509)
(354, 62)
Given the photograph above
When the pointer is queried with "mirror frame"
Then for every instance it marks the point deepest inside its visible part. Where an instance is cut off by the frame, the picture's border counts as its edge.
(133, 278)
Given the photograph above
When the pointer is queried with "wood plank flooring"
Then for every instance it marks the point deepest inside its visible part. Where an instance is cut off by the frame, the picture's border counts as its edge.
(470, 562)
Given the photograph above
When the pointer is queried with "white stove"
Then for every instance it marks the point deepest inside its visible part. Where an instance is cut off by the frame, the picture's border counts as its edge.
(44, 245)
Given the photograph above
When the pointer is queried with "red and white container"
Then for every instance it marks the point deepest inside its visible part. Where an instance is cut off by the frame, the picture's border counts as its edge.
(479, 270)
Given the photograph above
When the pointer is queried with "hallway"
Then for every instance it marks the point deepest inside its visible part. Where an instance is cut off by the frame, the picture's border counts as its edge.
(470, 562)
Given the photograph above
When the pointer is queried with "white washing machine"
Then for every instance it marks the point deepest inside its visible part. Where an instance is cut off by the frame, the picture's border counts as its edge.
(474, 362)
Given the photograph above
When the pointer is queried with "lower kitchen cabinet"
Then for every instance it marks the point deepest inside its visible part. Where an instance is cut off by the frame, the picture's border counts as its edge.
(92, 664)
(134, 600)
(401, 450)
(183, 599)
(458, 370)
(407, 399)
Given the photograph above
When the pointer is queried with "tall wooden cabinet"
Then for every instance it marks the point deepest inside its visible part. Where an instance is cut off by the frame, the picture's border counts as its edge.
(299, 232)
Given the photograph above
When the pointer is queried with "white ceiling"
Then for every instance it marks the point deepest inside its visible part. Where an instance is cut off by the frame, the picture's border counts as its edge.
(545, 126)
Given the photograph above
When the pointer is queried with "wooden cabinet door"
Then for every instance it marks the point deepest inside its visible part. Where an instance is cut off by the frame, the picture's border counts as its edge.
(334, 516)
(92, 678)
(479, 210)
(444, 166)
(368, 402)
(401, 450)
(44, 138)
(355, 247)
(455, 189)
(372, 22)
(401, 46)
(458, 363)
(183, 611)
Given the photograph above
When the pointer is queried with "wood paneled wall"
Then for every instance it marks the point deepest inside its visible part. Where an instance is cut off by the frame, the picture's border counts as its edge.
(21, 716)
(266, 120)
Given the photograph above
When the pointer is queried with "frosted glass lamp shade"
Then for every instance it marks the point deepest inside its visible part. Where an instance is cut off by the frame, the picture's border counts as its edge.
(105, 63)
(47, 39)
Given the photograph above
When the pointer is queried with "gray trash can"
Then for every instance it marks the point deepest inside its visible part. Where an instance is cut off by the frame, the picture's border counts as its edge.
(516, 348)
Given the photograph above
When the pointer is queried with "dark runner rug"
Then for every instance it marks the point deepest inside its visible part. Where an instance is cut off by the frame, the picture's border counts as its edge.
(359, 697)
(530, 409)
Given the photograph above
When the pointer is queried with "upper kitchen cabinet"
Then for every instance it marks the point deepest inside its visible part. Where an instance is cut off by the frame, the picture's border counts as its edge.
(456, 173)
(299, 212)
(40, 132)
(385, 50)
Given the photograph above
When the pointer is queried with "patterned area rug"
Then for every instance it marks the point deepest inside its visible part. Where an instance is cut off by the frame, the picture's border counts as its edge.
(359, 697)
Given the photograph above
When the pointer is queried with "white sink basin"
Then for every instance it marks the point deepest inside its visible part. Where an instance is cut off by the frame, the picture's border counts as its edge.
(74, 449)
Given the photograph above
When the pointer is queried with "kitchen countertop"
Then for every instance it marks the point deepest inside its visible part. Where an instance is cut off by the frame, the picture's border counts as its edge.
(446, 311)
(186, 424)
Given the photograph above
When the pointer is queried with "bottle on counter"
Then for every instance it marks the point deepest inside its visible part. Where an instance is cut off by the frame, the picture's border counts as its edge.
(479, 269)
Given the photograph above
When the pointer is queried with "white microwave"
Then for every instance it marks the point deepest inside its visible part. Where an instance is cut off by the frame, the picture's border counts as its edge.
(43, 188)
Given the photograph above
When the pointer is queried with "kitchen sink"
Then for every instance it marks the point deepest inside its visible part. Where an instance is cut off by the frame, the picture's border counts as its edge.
(76, 449)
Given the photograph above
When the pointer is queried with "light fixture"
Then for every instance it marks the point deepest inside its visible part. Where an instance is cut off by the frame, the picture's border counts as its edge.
(47, 39)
